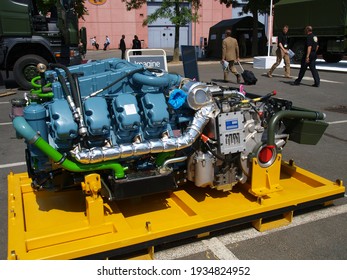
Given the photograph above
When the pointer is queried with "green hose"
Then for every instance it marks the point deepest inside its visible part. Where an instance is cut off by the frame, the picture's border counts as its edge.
(26, 131)
(77, 167)
(38, 89)
(33, 82)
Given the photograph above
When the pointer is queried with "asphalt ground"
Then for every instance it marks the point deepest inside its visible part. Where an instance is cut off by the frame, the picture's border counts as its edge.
(315, 233)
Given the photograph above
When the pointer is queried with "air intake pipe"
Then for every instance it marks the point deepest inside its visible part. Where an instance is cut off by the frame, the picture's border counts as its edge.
(292, 114)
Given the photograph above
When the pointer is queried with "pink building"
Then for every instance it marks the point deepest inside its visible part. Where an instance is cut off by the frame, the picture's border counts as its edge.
(110, 17)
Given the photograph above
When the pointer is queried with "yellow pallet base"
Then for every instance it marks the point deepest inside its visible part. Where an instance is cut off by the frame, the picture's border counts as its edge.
(69, 225)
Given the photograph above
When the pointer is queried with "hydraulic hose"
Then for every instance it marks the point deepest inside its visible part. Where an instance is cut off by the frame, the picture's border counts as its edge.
(64, 87)
(68, 76)
(25, 130)
(70, 95)
(77, 97)
(82, 129)
(309, 115)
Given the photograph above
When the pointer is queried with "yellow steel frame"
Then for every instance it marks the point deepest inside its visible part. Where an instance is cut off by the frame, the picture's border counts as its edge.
(79, 223)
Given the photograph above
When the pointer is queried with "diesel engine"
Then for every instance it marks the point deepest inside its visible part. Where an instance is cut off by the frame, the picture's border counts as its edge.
(143, 131)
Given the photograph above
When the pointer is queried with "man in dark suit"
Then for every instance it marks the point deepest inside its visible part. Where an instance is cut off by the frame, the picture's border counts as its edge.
(122, 46)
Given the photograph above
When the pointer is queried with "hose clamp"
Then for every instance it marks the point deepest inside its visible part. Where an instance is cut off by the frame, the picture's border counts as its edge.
(61, 160)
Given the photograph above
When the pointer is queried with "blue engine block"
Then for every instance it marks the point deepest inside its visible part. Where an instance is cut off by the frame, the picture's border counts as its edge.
(130, 106)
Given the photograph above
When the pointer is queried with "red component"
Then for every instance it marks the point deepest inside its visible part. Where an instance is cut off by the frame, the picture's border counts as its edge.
(274, 92)
(266, 154)
(204, 138)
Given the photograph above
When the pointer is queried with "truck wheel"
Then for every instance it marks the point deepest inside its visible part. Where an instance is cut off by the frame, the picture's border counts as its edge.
(24, 70)
(299, 51)
(332, 57)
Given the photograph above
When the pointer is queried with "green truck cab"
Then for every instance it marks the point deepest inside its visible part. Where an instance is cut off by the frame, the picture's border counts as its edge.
(329, 22)
(27, 37)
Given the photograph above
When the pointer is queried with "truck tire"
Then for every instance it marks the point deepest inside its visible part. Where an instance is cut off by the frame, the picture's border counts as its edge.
(332, 57)
(24, 70)
(299, 50)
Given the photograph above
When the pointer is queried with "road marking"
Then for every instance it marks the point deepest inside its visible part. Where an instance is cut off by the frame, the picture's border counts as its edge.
(305, 78)
(6, 123)
(12, 164)
(337, 122)
(219, 249)
(4, 102)
(249, 233)
(313, 216)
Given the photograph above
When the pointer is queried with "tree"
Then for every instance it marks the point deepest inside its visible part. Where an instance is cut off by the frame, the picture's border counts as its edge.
(45, 5)
(254, 7)
(178, 14)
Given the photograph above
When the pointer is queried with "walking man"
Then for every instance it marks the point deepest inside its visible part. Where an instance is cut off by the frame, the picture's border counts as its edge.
(309, 58)
(107, 43)
(94, 43)
(282, 52)
(122, 46)
(230, 53)
(136, 45)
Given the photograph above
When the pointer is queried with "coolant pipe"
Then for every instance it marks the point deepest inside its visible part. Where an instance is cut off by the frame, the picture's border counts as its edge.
(172, 161)
(38, 89)
(40, 94)
(155, 81)
(309, 115)
(114, 82)
(152, 80)
(31, 136)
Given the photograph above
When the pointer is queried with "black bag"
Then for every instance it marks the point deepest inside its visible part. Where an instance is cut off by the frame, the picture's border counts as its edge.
(248, 76)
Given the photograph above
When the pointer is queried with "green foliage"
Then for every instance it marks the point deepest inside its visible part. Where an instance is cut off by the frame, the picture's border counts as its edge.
(170, 9)
(261, 6)
(134, 4)
(254, 7)
(173, 10)
(78, 5)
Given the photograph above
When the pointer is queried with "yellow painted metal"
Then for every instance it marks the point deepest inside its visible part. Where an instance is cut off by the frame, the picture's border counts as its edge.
(203, 235)
(69, 224)
(262, 224)
(265, 180)
(94, 202)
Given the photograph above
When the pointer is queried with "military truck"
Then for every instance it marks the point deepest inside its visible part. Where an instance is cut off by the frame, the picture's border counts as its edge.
(27, 37)
(328, 19)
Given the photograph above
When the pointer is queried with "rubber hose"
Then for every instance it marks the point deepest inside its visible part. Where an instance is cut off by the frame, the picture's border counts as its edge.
(25, 130)
(68, 76)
